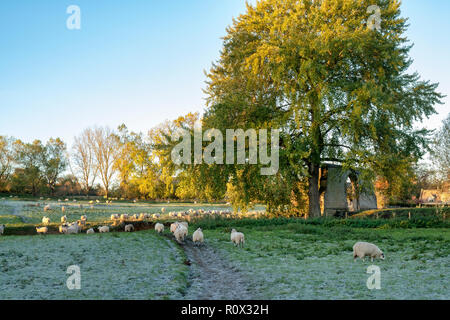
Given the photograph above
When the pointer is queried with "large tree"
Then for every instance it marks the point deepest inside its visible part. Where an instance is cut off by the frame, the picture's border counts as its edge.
(338, 88)
(6, 161)
(440, 152)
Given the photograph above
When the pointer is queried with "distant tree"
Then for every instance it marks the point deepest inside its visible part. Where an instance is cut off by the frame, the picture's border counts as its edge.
(30, 158)
(440, 152)
(106, 150)
(6, 161)
(54, 162)
(83, 162)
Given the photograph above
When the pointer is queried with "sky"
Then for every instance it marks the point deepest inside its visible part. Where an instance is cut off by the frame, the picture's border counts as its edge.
(141, 62)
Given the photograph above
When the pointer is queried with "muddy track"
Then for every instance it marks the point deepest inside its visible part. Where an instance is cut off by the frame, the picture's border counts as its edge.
(211, 276)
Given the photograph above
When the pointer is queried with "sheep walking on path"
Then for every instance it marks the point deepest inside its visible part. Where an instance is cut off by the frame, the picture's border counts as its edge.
(237, 238)
(197, 237)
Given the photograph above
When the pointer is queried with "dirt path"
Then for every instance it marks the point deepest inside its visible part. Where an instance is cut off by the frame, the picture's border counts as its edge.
(212, 277)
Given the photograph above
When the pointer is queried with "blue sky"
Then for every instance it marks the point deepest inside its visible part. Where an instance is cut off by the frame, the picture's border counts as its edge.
(140, 62)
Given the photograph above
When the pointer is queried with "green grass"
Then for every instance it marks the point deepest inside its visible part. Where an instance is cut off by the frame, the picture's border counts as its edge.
(139, 265)
(304, 261)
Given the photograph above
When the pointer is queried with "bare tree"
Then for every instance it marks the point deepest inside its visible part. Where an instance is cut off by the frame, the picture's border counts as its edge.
(106, 148)
(83, 160)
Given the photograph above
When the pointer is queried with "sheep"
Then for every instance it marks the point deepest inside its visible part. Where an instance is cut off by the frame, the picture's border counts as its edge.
(64, 219)
(184, 223)
(63, 209)
(90, 231)
(42, 230)
(81, 223)
(129, 228)
(173, 227)
(97, 201)
(103, 229)
(115, 217)
(124, 216)
(84, 218)
(91, 202)
(63, 228)
(163, 210)
(237, 238)
(363, 249)
(73, 229)
(180, 233)
(2, 229)
(136, 216)
(197, 237)
(45, 220)
(156, 216)
(159, 227)
(47, 208)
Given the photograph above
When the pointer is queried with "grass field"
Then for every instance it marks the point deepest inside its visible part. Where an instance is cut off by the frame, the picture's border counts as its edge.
(282, 258)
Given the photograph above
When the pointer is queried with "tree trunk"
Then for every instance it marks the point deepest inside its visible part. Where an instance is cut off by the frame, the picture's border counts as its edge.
(313, 191)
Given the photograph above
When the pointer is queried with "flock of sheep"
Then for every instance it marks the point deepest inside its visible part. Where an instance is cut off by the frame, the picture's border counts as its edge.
(180, 228)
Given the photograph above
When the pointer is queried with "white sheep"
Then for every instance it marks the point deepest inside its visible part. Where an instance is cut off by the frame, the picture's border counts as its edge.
(124, 216)
(163, 210)
(197, 237)
(173, 227)
(81, 223)
(237, 238)
(115, 217)
(180, 233)
(156, 216)
(2, 229)
(159, 227)
(64, 219)
(47, 208)
(136, 216)
(103, 229)
(42, 230)
(72, 229)
(83, 218)
(363, 249)
(45, 220)
(129, 228)
(90, 231)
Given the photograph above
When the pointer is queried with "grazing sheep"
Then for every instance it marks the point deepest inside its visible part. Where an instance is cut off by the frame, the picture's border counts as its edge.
(180, 233)
(163, 210)
(83, 218)
(2, 229)
(98, 201)
(47, 208)
(81, 223)
(124, 216)
(237, 238)
(136, 216)
(64, 219)
(129, 228)
(90, 231)
(363, 249)
(63, 209)
(173, 227)
(115, 217)
(63, 228)
(197, 237)
(73, 229)
(159, 227)
(45, 220)
(103, 229)
(156, 216)
(91, 202)
(42, 230)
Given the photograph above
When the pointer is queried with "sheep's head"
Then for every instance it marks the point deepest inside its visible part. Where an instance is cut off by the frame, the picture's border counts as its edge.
(233, 230)
(382, 255)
